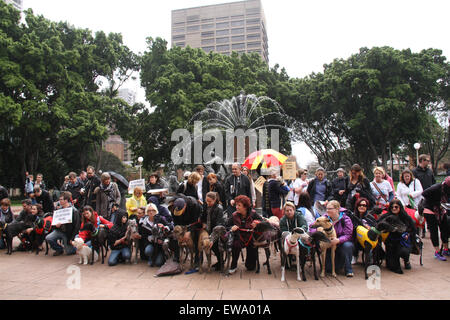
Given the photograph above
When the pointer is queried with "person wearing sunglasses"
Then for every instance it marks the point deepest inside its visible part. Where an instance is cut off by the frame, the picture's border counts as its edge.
(361, 217)
(398, 245)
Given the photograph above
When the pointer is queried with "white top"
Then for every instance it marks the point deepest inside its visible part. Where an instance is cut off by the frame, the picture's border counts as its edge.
(292, 195)
(414, 190)
(385, 187)
(309, 217)
(199, 190)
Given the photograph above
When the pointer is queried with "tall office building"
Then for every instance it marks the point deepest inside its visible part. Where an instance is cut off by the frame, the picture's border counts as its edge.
(18, 4)
(237, 26)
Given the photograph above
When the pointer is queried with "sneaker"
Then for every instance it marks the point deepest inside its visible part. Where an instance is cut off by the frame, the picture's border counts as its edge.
(349, 275)
(446, 252)
(231, 271)
(438, 256)
(354, 260)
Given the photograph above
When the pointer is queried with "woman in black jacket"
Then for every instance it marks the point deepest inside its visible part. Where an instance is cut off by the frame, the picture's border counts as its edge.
(358, 184)
(120, 248)
(189, 188)
(216, 186)
(436, 216)
(212, 217)
(398, 245)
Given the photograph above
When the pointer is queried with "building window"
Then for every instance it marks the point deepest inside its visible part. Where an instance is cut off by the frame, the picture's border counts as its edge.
(237, 31)
(255, 50)
(221, 18)
(253, 44)
(208, 49)
(238, 46)
(181, 37)
(253, 29)
(207, 34)
(253, 21)
(237, 38)
(237, 23)
(253, 36)
(222, 32)
(193, 28)
(178, 30)
(222, 25)
(208, 20)
(180, 44)
(241, 16)
(207, 26)
(223, 47)
(193, 18)
(253, 10)
(179, 24)
(222, 40)
(207, 41)
(193, 22)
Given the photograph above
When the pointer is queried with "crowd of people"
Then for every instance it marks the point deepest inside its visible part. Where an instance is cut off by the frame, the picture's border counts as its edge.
(204, 201)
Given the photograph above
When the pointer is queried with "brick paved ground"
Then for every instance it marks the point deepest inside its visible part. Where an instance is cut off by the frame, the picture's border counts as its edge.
(24, 275)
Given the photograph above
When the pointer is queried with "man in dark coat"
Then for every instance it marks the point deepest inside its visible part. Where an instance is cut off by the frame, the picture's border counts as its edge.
(339, 186)
(74, 187)
(425, 176)
(236, 185)
(93, 181)
(44, 199)
(186, 211)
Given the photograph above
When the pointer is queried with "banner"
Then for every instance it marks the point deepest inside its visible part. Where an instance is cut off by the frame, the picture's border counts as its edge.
(136, 183)
(62, 216)
(259, 183)
(289, 170)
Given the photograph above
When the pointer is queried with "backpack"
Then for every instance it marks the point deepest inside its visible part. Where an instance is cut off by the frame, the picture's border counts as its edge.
(44, 224)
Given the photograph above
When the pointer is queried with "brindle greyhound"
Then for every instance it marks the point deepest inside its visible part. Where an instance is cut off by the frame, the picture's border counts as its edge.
(323, 224)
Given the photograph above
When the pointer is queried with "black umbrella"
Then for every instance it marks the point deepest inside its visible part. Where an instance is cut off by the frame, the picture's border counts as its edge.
(120, 179)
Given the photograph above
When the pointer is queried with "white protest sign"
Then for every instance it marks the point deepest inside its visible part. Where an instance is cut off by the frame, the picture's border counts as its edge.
(62, 216)
(136, 183)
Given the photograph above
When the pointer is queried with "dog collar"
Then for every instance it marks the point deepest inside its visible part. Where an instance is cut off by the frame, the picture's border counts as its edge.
(304, 245)
(329, 229)
(290, 245)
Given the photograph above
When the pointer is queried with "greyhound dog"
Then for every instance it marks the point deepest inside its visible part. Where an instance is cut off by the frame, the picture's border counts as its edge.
(132, 229)
(185, 245)
(204, 247)
(225, 242)
(264, 235)
(323, 224)
(289, 245)
(99, 239)
(9, 231)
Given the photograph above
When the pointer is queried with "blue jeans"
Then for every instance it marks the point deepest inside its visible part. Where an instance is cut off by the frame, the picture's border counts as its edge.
(159, 259)
(115, 254)
(59, 235)
(113, 218)
(343, 258)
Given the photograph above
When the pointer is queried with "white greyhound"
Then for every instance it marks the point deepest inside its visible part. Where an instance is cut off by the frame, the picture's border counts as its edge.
(289, 245)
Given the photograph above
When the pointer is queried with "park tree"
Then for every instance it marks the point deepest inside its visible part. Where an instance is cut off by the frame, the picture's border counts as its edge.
(374, 100)
(180, 83)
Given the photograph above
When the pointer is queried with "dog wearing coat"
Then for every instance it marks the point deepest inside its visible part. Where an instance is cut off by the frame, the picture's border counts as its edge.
(84, 251)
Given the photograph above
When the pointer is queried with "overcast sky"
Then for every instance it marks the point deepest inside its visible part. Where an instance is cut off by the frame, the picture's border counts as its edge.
(303, 35)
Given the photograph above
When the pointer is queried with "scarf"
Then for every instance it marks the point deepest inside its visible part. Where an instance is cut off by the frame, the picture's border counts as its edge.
(109, 192)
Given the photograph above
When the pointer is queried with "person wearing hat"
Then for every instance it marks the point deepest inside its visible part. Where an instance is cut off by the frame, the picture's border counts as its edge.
(186, 211)
(339, 186)
(436, 216)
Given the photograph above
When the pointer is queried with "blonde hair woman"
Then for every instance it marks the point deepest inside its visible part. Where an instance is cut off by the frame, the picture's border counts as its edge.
(381, 188)
(189, 188)
(136, 201)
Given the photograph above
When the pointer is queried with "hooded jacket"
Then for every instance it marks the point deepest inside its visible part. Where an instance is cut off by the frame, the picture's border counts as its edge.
(425, 176)
(85, 234)
(298, 221)
(117, 232)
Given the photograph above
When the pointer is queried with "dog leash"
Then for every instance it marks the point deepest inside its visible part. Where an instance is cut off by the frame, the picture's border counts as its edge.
(251, 236)
(304, 246)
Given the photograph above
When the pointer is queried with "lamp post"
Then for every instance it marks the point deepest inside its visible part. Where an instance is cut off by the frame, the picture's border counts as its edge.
(417, 147)
(140, 160)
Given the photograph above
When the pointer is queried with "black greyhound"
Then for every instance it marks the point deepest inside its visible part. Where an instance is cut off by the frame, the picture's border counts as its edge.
(225, 243)
(309, 247)
(99, 238)
(9, 231)
(264, 234)
(42, 227)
